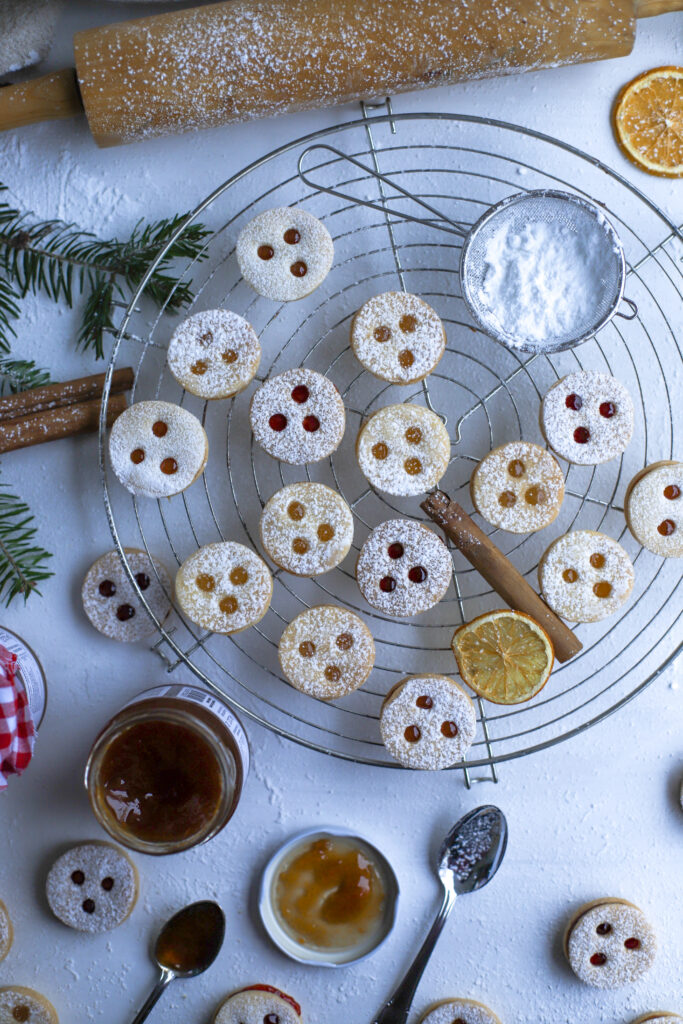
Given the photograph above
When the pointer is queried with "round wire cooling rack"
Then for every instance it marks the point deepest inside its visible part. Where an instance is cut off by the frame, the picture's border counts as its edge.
(486, 394)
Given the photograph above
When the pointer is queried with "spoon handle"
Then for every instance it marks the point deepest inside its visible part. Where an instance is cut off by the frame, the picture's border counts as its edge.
(397, 1007)
(165, 978)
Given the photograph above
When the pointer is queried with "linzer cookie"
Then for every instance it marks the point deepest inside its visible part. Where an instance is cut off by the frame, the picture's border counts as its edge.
(6, 931)
(327, 652)
(224, 587)
(111, 603)
(19, 1004)
(157, 449)
(298, 416)
(403, 568)
(259, 1004)
(93, 887)
(307, 528)
(609, 943)
(654, 508)
(403, 449)
(427, 722)
(587, 417)
(518, 487)
(398, 337)
(214, 354)
(284, 254)
(459, 1011)
(585, 576)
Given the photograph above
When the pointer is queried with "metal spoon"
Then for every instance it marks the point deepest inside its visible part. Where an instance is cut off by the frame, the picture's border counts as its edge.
(186, 946)
(469, 857)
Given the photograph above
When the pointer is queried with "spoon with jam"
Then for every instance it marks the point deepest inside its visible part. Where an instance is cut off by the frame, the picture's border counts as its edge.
(469, 857)
(186, 946)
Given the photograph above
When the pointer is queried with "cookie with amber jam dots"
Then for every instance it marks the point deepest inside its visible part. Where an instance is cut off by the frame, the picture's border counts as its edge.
(307, 528)
(403, 568)
(585, 576)
(298, 416)
(92, 887)
(654, 508)
(111, 602)
(157, 449)
(403, 449)
(609, 943)
(214, 354)
(6, 931)
(260, 1004)
(518, 487)
(327, 652)
(587, 417)
(398, 337)
(224, 587)
(284, 254)
(19, 1005)
(427, 722)
(459, 1011)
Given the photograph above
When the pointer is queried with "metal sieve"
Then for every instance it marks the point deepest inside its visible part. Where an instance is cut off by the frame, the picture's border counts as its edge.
(579, 216)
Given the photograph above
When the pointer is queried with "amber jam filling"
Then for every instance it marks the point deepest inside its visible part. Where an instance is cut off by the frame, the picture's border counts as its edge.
(329, 894)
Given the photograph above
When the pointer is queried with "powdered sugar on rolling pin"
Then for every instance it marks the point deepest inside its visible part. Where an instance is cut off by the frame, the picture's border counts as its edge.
(542, 281)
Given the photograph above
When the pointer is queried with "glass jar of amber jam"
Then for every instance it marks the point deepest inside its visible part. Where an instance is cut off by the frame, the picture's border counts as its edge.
(167, 772)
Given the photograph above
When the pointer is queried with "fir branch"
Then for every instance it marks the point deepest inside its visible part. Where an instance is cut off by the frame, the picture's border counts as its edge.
(9, 311)
(23, 564)
(21, 375)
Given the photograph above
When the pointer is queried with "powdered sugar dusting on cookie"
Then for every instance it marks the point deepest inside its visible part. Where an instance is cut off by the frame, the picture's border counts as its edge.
(460, 1009)
(224, 587)
(327, 652)
(403, 568)
(398, 337)
(428, 722)
(302, 425)
(620, 953)
(307, 528)
(587, 417)
(214, 354)
(256, 1007)
(403, 449)
(5, 931)
(654, 509)
(92, 888)
(585, 576)
(15, 999)
(518, 487)
(284, 254)
(111, 602)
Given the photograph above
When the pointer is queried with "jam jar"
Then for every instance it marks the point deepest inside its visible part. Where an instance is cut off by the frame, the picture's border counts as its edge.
(167, 772)
(30, 673)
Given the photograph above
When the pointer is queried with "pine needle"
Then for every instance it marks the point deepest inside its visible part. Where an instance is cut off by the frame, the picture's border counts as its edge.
(23, 564)
(21, 375)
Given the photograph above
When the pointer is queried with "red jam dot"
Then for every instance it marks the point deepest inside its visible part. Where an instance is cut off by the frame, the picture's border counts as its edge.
(582, 435)
(125, 612)
(666, 527)
(77, 877)
(299, 269)
(387, 584)
(21, 1013)
(449, 730)
(608, 410)
(311, 424)
(632, 943)
(395, 550)
(169, 466)
(277, 421)
(573, 402)
(107, 883)
(425, 702)
(598, 959)
(412, 733)
(604, 929)
(300, 394)
(291, 236)
(107, 588)
(672, 492)
(142, 580)
(265, 252)
(89, 906)
(417, 574)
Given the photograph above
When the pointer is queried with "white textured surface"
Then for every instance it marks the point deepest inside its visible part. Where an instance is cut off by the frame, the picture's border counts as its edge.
(598, 814)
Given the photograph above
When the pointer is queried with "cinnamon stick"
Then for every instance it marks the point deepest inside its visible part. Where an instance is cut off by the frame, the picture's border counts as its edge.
(53, 423)
(54, 396)
(498, 571)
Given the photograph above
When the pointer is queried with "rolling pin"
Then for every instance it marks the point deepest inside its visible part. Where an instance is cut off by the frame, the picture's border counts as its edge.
(243, 59)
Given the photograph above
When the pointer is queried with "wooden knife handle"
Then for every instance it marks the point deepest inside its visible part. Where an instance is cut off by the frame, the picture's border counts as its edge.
(48, 98)
(498, 571)
(650, 8)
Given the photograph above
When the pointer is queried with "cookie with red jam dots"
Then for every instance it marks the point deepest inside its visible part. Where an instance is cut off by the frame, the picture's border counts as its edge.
(459, 1011)
(6, 931)
(403, 568)
(157, 449)
(658, 1017)
(398, 337)
(585, 576)
(403, 449)
(92, 887)
(326, 652)
(518, 487)
(609, 943)
(427, 722)
(654, 508)
(284, 254)
(259, 1004)
(19, 1005)
(224, 587)
(111, 602)
(307, 528)
(214, 354)
(298, 416)
(587, 417)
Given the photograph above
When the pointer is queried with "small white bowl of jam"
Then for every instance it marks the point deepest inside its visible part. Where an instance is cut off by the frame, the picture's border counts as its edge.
(328, 898)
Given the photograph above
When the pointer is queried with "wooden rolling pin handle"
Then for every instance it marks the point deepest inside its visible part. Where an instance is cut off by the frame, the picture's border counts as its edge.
(48, 98)
(498, 571)
(650, 8)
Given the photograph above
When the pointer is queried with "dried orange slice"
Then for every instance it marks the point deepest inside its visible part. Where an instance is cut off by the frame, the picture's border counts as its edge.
(648, 121)
(504, 656)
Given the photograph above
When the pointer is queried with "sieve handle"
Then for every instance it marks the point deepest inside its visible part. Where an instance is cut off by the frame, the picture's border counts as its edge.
(437, 220)
(499, 571)
(632, 306)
